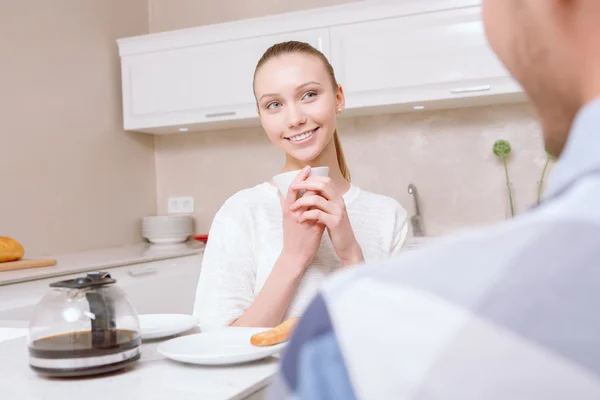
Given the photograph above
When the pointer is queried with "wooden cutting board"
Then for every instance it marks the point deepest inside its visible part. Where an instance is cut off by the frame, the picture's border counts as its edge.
(26, 263)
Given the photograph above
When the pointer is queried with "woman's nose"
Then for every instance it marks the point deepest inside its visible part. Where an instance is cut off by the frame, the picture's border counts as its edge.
(295, 116)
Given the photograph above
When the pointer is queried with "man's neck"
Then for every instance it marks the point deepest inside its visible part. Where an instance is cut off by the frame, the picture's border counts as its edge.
(590, 76)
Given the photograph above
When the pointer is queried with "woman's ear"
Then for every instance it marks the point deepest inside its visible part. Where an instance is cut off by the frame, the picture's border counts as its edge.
(340, 100)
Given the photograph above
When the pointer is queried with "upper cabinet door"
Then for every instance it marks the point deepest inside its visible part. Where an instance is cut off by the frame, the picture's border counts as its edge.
(406, 59)
(199, 84)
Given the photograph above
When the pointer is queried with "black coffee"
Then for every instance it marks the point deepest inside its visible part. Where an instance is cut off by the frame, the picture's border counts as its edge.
(84, 344)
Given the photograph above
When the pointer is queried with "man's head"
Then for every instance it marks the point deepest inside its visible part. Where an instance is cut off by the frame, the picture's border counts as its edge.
(552, 47)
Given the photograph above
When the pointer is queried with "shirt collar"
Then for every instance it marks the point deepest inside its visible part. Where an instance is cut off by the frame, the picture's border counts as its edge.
(581, 154)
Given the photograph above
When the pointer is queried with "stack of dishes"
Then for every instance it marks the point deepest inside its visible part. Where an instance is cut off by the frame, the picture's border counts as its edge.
(167, 229)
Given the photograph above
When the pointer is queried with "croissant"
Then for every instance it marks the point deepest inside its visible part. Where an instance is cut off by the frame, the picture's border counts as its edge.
(10, 249)
(276, 335)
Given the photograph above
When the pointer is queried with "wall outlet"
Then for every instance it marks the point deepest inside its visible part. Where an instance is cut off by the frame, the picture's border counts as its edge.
(180, 205)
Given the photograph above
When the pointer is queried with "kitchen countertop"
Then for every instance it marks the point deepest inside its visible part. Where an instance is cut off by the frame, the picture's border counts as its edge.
(152, 378)
(72, 263)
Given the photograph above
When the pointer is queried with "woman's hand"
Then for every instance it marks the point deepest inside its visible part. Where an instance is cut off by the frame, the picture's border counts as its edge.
(322, 204)
(301, 240)
(301, 237)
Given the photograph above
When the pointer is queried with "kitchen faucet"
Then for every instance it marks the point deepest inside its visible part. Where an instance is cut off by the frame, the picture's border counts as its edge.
(416, 220)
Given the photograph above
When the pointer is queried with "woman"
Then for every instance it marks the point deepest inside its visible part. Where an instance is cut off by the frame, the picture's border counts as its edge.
(267, 253)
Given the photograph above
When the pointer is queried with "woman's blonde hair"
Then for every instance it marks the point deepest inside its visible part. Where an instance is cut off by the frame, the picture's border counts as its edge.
(301, 47)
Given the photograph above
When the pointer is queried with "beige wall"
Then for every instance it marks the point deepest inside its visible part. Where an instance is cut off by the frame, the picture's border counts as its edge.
(447, 154)
(71, 179)
(177, 14)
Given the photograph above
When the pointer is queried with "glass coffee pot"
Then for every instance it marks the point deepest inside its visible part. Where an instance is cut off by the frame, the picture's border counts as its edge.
(83, 326)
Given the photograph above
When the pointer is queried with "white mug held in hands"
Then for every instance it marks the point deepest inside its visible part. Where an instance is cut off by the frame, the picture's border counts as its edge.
(283, 181)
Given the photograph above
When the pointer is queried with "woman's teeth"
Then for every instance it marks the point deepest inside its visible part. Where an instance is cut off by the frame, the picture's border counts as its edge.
(302, 136)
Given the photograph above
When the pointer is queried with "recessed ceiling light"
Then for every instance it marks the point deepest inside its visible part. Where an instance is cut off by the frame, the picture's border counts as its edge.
(183, 129)
(418, 107)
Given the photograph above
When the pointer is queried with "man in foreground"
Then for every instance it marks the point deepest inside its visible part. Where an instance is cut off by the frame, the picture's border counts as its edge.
(508, 312)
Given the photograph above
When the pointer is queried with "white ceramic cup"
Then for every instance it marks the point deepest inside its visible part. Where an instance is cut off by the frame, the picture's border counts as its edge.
(283, 181)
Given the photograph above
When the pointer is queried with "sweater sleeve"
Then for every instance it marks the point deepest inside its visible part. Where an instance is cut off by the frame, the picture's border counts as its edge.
(225, 287)
(400, 230)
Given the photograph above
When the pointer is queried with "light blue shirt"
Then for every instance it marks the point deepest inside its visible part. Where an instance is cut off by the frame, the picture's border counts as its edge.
(507, 312)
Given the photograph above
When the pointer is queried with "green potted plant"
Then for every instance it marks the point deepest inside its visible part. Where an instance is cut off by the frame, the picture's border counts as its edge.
(541, 184)
(502, 150)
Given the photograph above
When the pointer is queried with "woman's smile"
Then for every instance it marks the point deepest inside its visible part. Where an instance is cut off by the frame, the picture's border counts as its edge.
(303, 137)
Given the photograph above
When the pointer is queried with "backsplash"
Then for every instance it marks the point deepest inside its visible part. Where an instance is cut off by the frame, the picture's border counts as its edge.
(446, 154)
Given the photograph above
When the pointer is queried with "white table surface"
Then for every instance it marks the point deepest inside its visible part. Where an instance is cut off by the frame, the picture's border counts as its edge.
(11, 333)
(152, 378)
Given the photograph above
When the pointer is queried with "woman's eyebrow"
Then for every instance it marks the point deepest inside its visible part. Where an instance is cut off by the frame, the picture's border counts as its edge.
(298, 88)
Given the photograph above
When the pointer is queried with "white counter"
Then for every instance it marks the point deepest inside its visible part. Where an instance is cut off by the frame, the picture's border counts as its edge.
(84, 261)
(151, 378)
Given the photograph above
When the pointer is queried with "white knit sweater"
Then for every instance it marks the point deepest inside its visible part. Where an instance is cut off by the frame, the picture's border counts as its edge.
(246, 238)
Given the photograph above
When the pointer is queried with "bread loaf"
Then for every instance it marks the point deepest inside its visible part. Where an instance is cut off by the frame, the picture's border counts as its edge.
(278, 334)
(10, 249)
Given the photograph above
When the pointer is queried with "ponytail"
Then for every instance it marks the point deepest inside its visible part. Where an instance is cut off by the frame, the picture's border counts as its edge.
(340, 156)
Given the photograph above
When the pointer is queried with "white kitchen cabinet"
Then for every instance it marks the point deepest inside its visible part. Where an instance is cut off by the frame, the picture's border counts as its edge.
(388, 56)
(417, 58)
(199, 84)
(165, 286)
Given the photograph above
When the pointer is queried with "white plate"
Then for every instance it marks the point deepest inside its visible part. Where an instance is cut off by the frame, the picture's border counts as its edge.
(220, 347)
(154, 326)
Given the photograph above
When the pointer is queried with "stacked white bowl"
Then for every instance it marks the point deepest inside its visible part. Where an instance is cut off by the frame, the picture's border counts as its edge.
(164, 229)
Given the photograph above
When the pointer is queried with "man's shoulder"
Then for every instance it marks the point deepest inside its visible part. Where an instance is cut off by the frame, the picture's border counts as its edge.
(470, 261)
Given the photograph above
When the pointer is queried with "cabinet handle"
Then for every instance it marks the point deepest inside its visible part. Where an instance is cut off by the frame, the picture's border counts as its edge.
(142, 271)
(483, 88)
(221, 114)
(320, 44)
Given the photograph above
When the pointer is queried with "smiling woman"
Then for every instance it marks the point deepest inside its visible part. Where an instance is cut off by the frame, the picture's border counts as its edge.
(269, 251)
(300, 77)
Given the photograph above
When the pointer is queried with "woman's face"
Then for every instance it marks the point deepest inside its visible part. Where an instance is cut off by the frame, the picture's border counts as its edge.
(297, 104)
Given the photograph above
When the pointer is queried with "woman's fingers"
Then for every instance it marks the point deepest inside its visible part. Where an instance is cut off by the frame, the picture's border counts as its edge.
(292, 194)
(314, 200)
(317, 184)
(331, 221)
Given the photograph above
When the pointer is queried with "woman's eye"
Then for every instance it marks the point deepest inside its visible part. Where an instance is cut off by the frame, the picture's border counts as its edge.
(310, 95)
(273, 104)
